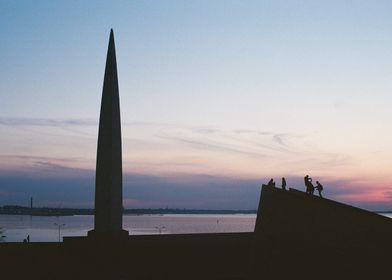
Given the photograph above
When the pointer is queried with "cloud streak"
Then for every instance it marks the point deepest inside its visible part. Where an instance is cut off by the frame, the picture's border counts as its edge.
(39, 158)
(212, 146)
(186, 154)
(160, 142)
(46, 122)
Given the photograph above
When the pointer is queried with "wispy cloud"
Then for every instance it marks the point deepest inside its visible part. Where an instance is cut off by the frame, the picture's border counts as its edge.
(46, 122)
(42, 166)
(277, 142)
(388, 194)
(212, 145)
(205, 130)
(249, 131)
(248, 142)
(39, 158)
(166, 148)
(278, 138)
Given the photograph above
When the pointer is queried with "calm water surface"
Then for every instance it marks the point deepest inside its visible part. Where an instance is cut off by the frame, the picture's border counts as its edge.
(17, 227)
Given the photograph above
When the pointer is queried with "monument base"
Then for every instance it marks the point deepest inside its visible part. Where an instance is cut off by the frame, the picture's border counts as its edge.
(93, 234)
(97, 236)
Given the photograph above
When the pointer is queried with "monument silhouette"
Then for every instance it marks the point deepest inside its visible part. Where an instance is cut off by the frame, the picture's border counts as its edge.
(108, 177)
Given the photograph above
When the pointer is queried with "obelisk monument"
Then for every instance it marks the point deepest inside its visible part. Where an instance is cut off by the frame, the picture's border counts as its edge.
(108, 177)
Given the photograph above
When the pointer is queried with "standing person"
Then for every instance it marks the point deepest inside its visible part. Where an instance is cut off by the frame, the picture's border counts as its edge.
(306, 180)
(319, 187)
(284, 183)
(311, 187)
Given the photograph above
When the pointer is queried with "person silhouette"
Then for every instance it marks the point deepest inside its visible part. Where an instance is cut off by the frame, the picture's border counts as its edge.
(28, 238)
(271, 183)
(311, 187)
(284, 183)
(319, 188)
(306, 180)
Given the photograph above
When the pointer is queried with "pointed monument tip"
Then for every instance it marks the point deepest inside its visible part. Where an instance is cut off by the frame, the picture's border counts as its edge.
(111, 36)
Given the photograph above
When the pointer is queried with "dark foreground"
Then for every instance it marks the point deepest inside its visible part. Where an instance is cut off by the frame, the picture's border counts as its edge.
(296, 237)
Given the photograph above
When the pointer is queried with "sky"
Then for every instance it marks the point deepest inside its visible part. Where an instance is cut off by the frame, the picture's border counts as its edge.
(217, 97)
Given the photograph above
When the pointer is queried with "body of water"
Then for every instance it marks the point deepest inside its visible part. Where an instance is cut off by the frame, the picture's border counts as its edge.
(46, 229)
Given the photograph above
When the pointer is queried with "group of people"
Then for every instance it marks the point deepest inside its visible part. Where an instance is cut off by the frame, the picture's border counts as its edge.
(308, 184)
(271, 183)
(310, 187)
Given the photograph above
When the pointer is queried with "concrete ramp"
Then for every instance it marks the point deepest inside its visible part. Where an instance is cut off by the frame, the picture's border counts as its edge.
(308, 237)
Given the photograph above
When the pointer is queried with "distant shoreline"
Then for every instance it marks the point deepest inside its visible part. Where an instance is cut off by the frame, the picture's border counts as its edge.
(46, 211)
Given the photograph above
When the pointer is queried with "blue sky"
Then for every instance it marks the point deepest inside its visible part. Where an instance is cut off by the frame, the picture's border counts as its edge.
(232, 91)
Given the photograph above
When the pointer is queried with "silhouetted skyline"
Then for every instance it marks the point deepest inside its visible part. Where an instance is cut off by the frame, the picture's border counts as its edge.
(216, 97)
